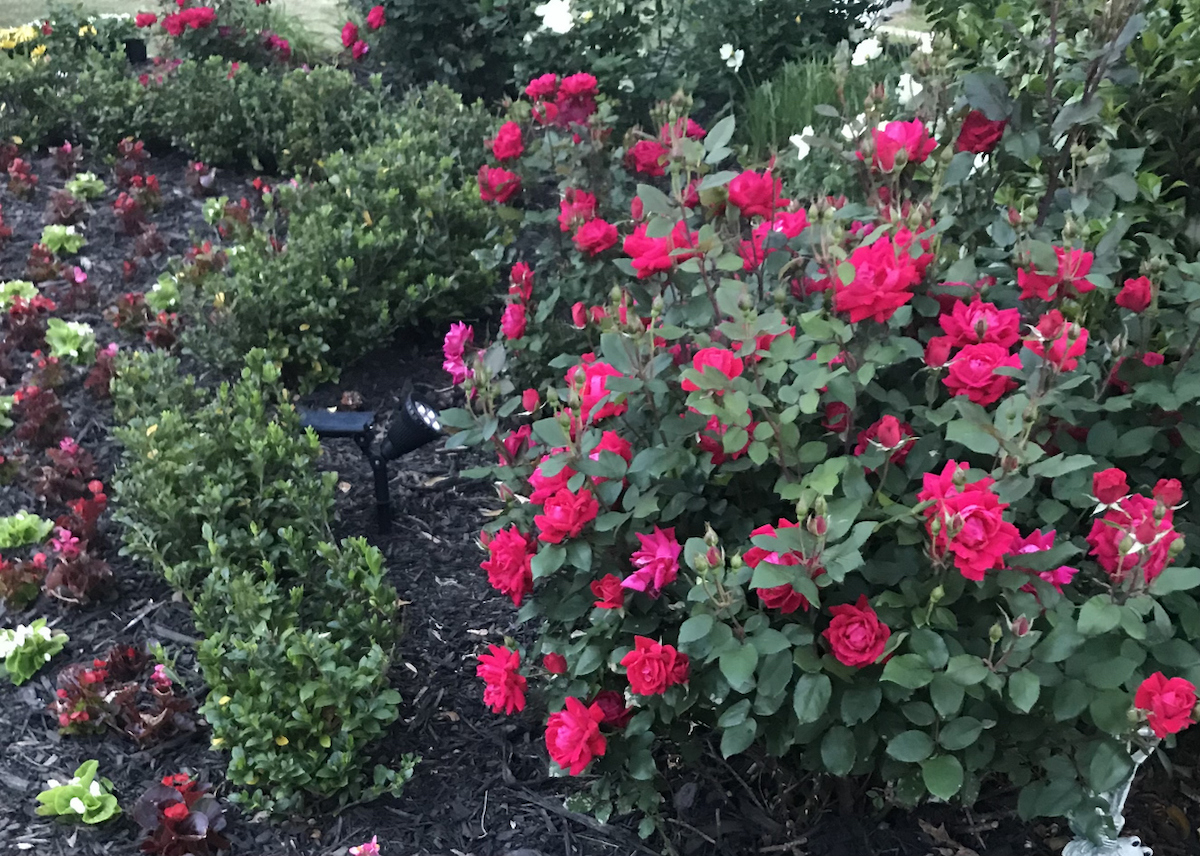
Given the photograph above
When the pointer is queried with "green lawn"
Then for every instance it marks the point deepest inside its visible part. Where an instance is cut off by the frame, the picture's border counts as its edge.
(323, 17)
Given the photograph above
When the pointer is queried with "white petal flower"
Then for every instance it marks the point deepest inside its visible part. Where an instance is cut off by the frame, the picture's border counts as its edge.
(626, 84)
(51, 784)
(556, 15)
(94, 789)
(77, 806)
(925, 44)
(800, 141)
(865, 51)
(735, 62)
(907, 88)
(726, 51)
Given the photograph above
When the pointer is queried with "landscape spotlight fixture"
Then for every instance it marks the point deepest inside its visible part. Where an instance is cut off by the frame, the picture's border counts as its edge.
(414, 424)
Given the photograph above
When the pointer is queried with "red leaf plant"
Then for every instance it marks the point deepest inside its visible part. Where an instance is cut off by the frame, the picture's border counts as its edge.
(180, 818)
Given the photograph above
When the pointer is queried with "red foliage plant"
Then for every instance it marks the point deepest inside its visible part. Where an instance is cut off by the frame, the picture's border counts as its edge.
(99, 379)
(180, 818)
(20, 582)
(131, 158)
(64, 209)
(163, 332)
(41, 265)
(130, 213)
(21, 180)
(66, 158)
(148, 243)
(200, 179)
(42, 417)
(26, 321)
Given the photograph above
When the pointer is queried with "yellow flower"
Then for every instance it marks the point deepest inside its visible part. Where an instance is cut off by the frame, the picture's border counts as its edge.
(37, 52)
(217, 741)
(87, 30)
(150, 431)
(223, 700)
(281, 741)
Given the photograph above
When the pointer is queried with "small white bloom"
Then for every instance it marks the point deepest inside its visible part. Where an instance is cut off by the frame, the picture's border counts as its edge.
(865, 51)
(556, 15)
(77, 806)
(51, 784)
(528, 38)
(94, 789)
(925, 43)
(726, 51)
(626, 84)
(46, 657)
(800, 141)
(735, 62)
(44, 631)
(907, 88)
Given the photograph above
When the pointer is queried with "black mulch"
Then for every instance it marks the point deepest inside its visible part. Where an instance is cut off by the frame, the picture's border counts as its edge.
(481, 788)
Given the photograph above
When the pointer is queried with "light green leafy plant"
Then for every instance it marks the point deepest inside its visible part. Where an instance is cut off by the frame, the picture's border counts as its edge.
(27, 648)
(23, 528)
(84, 797)
(17, 288)
(71, 340)
(6, 405)
(164, 294)
(63, 240)
(85, 185)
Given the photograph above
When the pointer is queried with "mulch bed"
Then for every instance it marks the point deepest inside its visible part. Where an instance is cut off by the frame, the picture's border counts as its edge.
(482, 787)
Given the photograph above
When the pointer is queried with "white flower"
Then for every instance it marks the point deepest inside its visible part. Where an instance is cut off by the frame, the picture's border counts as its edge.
(907, 88)
(866, 50)
(556, 15)
(733, 59)
(978, 164)
(51, 784)
(46, 657)
(94, 789)
(77, 806)
(528, 38)
(44, 631)
(925, 43)
(800, 141)
(626, 84)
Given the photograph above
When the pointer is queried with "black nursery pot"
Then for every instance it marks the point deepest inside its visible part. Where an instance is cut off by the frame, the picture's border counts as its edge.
(135, 51)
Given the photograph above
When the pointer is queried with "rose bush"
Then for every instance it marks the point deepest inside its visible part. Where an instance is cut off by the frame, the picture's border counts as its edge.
(892, 489)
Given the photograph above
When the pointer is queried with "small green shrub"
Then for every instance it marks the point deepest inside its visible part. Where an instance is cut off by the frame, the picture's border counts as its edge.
(26, 648)
(224, 498)
(385, 240)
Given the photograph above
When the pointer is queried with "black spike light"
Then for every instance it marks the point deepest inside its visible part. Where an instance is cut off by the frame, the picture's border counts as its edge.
(414, 424)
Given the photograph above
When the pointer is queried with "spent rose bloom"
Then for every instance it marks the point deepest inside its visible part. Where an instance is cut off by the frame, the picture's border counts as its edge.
(1058, 342)
(595, 236)
(616, 714)
(512, 323)
(505, 685)
(911, 138)
(656, 563)
(882, 282)
(507, 144)
(508, 566)
(1070, 280)
(757, 194)
(573, 735)
(652, 667)
(1136, 294)
(973, 373)
(521, 282)
(608, 592)
(855, 635)
(715, 363)
(979, 134)
(1170, 703)
(565, 514)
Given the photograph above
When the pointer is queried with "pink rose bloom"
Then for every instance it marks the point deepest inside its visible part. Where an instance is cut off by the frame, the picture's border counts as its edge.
(505, 685)
(978, 321)
(360, 50)
(512, 324)
(376, 17)
(896, 137)
(349, 34)
(656, 563)
(1058, 342)
(1070, 280)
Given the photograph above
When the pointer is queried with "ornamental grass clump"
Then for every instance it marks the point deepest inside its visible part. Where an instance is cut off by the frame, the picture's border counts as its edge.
(892, 487)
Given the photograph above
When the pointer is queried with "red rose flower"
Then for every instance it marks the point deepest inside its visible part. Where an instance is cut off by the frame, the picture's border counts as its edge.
(937, 352)
(608, 592)
(521, 282)
(714, 361)
(174, 24)
(573, 736)
(145, 19)
(1058, 343)
(576, 208)
(783, 598)
(349, 34)
(889, 434)
(508, 564)
(565, 514)
(498, 185)
(514, 442)
(512, 323)
(856, 636)
(1170, 703)
(973, 373)
(376, 17)
(555, 664)
(616, 714)
(911, 138)
(505, 685)
(595, 388)
(1136, 294)
(652, 667)
(1169, 492)
(970, 526)
(712, 439)
(1131, 536)
(508, 144)
(1070, 280)
(576, 98)
(881, 284)
(529, 400)
(360, 50)
(579, 315)
(837, 417)
(596, 236)
(647, 157)
(1110, 486)
(979, 134)
(977, 322)
(542, 87)
(757, 195)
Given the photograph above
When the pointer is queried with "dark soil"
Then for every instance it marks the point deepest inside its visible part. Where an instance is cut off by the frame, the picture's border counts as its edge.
(482, 787)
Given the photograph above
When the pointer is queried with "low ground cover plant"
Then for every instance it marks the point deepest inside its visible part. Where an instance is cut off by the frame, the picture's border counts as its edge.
(887, 486)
